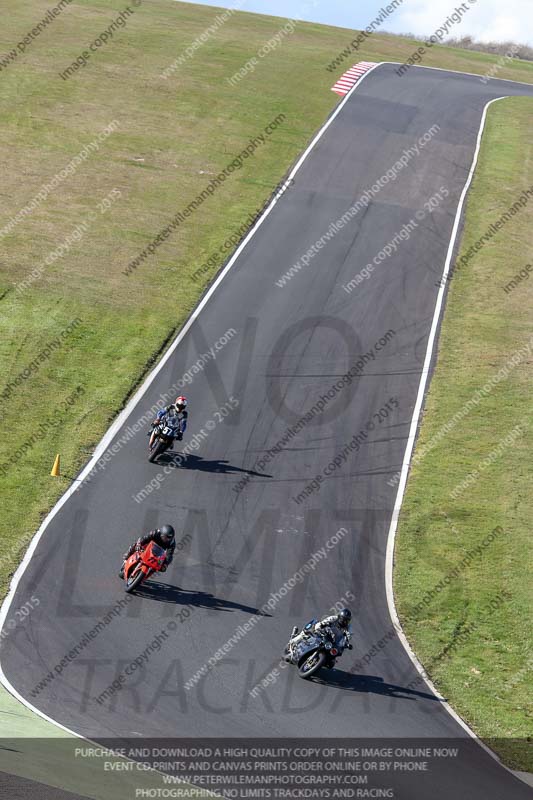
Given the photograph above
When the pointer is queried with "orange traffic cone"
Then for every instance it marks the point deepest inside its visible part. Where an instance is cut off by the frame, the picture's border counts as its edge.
(55, 469)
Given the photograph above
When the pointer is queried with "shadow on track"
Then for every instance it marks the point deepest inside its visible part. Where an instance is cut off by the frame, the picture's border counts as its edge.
(369, 684)
(166, 593)
(193, 462)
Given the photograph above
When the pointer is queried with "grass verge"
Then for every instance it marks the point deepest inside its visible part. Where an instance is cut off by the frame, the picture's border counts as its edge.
(464, 596)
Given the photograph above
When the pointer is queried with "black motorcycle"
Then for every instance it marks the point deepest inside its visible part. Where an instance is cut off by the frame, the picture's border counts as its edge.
(163, 439)
(317, 649)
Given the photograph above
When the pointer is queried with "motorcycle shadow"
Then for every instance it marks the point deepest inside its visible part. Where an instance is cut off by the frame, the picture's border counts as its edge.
(167, 593)
(368, 684)
(194, 462)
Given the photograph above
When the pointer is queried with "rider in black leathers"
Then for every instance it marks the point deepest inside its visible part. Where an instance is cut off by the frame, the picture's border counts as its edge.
(165, 537)
(339, 624)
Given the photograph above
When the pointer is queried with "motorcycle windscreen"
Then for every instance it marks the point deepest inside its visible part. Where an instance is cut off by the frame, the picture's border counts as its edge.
(154, 554)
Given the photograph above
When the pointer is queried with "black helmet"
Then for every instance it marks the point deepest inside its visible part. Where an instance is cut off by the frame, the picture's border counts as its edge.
(166, 533)
(344, 617)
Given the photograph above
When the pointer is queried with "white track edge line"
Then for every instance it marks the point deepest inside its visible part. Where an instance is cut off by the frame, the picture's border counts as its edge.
(124, 414)
(391, 539)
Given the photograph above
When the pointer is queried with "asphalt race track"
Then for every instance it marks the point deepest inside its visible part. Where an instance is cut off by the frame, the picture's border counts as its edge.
(248, 535)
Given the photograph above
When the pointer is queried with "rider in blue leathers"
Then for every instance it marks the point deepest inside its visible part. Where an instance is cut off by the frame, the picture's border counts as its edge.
(175, 416)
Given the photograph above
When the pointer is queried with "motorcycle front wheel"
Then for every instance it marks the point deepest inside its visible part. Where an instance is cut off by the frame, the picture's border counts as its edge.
(135, 580)
(159, 448)
(311, 664)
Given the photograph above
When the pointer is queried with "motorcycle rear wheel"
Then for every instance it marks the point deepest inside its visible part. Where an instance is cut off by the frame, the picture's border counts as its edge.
(311, 664)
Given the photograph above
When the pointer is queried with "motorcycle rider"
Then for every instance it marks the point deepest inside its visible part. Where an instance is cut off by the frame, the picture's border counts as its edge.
(339, 624)
(164, 536)
(175, 416)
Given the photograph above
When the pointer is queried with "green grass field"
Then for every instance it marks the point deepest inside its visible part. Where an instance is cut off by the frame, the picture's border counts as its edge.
(170, 137)
(482, 614)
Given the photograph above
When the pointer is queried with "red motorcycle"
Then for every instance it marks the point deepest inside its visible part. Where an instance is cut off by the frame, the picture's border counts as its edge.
(143, 563)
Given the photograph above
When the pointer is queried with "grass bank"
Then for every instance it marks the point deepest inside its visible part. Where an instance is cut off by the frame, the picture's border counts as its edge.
(464, 553)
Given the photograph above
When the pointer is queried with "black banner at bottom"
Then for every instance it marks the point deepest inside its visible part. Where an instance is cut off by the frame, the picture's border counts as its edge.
(296, 769)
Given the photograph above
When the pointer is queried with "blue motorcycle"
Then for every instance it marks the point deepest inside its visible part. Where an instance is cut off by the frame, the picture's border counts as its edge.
(163, 440)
